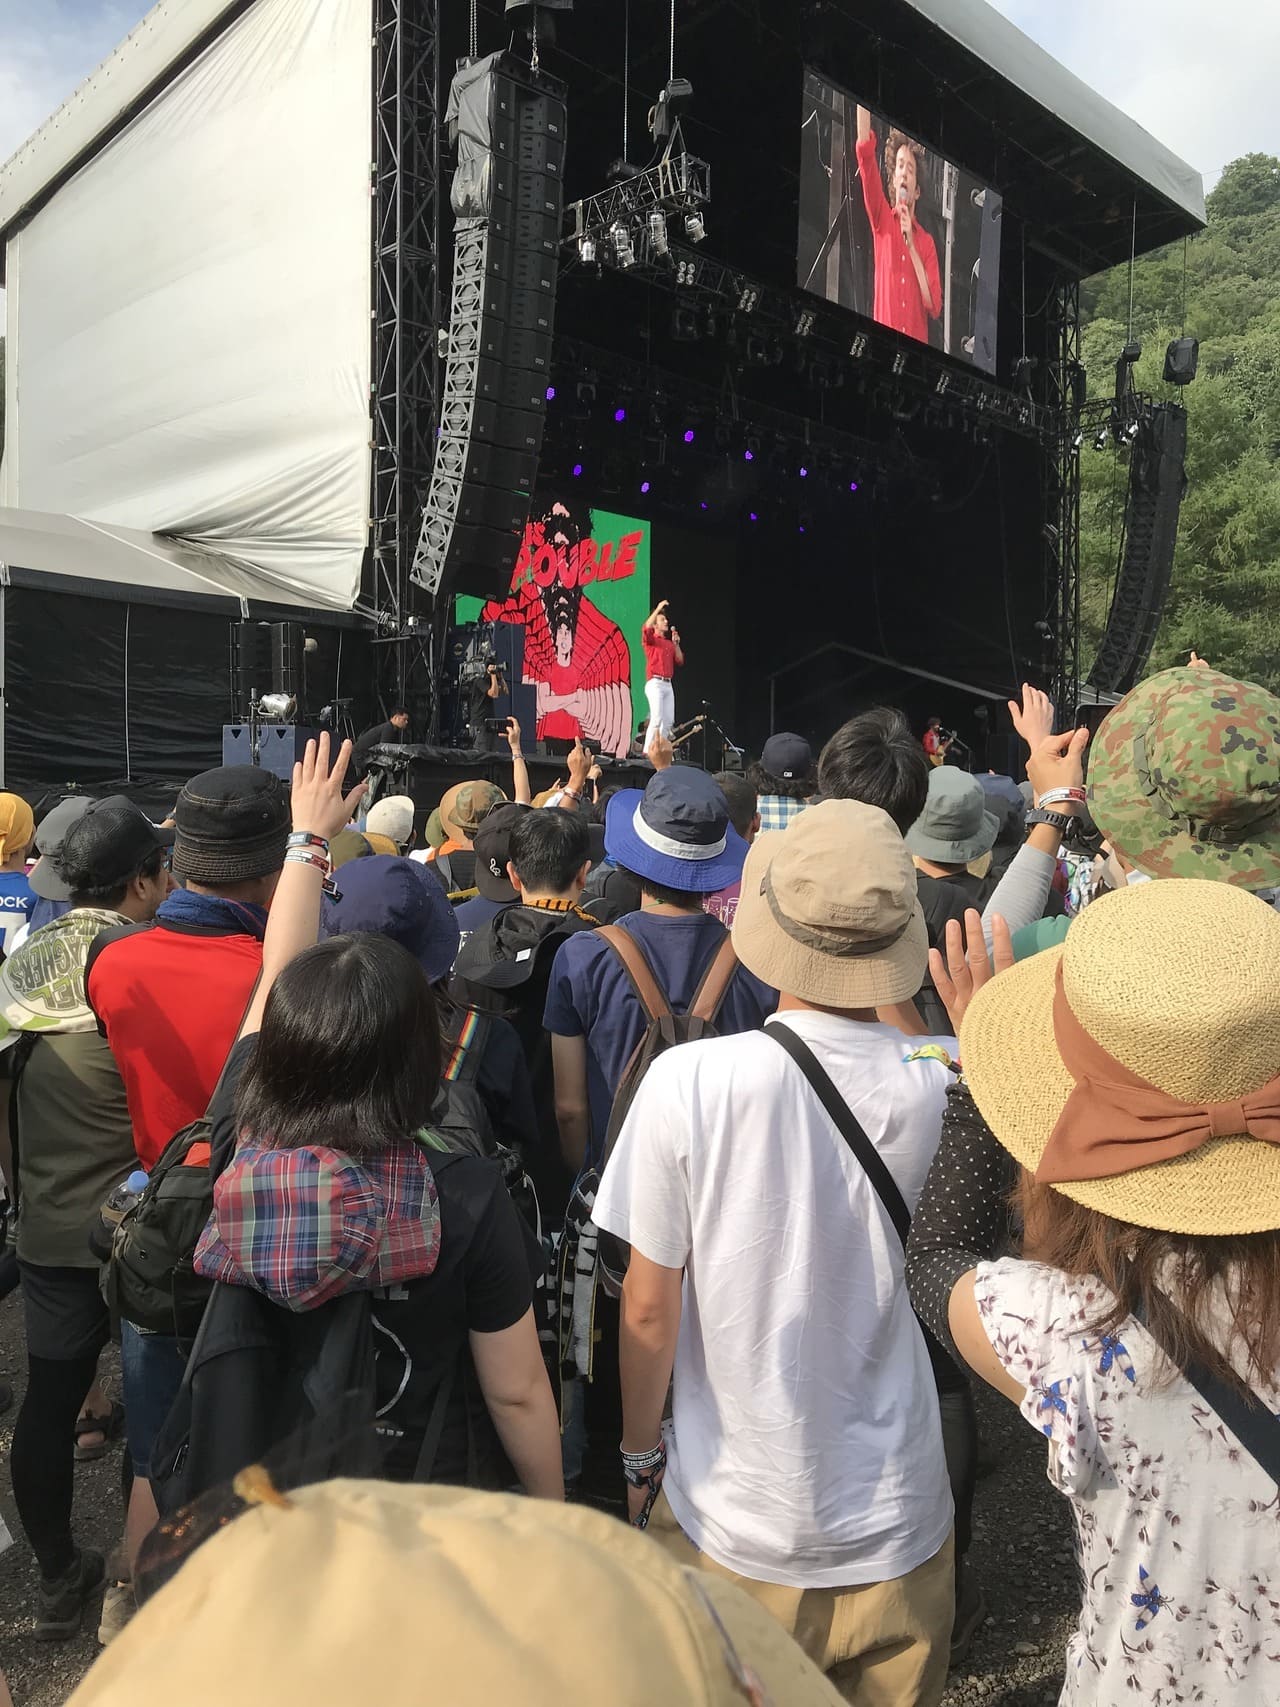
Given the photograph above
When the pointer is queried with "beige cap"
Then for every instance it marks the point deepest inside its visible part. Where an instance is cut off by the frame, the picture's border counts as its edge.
(392, 816)
(828, 909)
(394, 1594)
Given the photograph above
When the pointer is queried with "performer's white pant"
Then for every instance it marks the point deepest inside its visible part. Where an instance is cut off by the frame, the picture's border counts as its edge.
(662, 709)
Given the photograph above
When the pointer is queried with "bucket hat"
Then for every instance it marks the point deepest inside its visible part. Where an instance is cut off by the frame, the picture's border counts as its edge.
(233, 825)
(955, 825)
(1184, 778)
(676, 832)
(465, 804)
(1134, 1068)
(527, 1599)
(829, 911)
(107, 843)
(399, 898)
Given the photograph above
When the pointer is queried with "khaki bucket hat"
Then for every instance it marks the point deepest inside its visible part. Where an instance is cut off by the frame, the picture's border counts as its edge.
(828, 909)
(395, 1594)
(1165, 998)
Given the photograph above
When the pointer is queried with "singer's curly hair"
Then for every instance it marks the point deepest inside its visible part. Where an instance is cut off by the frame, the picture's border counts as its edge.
(897, 139)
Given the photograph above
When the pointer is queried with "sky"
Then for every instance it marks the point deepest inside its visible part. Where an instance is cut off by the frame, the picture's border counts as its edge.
(1208, 95)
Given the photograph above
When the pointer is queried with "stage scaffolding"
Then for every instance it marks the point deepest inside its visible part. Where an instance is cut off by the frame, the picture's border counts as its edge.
(1060, 491)
(408, 183)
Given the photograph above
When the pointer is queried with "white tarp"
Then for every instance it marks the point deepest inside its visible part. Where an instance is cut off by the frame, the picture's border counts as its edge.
(188, 346)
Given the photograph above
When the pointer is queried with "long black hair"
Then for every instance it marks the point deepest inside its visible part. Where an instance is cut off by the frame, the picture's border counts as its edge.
(350, 1051)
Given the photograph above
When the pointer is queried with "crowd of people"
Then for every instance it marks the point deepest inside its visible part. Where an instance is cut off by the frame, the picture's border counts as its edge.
(683, 1152)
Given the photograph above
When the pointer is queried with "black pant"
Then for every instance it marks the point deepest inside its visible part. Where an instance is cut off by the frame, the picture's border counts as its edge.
(42, 1461)
(960, 1446)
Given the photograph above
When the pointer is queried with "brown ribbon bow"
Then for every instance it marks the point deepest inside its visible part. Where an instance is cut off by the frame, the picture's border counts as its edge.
(1114, 1121)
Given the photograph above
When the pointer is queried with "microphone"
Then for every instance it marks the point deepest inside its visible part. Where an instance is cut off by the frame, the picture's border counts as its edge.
(902, 195)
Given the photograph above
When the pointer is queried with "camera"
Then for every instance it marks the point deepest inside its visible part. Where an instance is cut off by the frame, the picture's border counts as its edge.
(494, 725)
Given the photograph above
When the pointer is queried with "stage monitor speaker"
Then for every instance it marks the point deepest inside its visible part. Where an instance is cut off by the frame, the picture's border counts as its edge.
(508, 194)
(1157, 480)
(280, 746)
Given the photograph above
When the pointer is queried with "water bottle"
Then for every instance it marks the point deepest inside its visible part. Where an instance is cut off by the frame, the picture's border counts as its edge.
(114, 1210)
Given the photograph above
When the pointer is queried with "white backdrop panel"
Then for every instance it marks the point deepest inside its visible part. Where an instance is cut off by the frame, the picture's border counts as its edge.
(188, 344)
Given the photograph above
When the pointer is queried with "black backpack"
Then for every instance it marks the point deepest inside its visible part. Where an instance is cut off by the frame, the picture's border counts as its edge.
(664, 1030)
(150, 1279)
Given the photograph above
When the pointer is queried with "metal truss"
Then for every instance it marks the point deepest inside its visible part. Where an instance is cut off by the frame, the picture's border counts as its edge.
(1060, 489)
(470, 251)
(406, 314)
(679, 184)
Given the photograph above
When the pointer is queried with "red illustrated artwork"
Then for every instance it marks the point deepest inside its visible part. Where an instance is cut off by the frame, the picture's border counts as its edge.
(575, 656)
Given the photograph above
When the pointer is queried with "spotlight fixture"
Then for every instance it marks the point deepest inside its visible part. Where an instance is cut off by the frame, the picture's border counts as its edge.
(1077, 438)
(748, 297)
(943, 385)
(644, 486)
(277, 707)
(804, 322)
(1132, 429)
(1100, 443)
(619, 415)
(1181, 360)
(658, 232)
(551, 394)
(623, 252)
(858, 348)
(587, 251)
(899, 364)
(577, 471)
(687, 271)
(694, 227)
(689, 435)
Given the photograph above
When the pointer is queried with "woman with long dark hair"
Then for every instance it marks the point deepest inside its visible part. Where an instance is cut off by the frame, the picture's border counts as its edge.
(1133, 1077)
(337, 1183)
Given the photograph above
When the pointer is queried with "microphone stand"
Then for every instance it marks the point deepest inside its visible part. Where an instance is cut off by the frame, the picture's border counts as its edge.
(710, 721)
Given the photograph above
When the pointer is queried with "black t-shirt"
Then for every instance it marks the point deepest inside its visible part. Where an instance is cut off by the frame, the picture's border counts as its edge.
(481, 1284)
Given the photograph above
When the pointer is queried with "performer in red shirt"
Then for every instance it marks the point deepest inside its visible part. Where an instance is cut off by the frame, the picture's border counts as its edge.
(908, 290)
(661, 655)
(936, 744)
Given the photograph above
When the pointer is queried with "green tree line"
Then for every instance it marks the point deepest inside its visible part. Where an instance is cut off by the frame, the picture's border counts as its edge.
(1222, 286)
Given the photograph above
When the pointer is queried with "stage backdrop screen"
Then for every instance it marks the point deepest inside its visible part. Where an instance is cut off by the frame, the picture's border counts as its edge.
(580, 591)
(894, 230)
(188, 345)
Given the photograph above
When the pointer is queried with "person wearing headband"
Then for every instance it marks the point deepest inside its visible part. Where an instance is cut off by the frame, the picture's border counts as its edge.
(1132, 1075)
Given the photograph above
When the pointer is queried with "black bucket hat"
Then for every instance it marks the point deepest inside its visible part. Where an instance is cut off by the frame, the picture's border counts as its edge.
(233, 825)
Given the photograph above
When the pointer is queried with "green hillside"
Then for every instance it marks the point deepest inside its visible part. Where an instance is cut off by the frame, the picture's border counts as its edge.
(1225, 600)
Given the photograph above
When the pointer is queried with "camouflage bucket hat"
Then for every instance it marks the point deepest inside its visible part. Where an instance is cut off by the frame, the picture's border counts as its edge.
(1184, 778)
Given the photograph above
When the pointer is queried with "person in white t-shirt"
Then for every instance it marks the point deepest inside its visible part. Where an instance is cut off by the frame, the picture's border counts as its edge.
(804, 1456)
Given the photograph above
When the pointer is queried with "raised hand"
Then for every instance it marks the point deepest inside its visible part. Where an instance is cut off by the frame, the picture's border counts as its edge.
(1058, 762)
(318, 801)
(512, 736)
(966, 966)
(581, 760)
(1032, 715)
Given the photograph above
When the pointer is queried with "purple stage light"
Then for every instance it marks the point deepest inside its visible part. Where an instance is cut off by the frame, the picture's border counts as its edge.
(754, 516)
(748, 456)
(804, 473)
(577, 471)
(644, 485)
(551, 394)
(853, 485)
(619, 414)
(705, 506)
(689, 435)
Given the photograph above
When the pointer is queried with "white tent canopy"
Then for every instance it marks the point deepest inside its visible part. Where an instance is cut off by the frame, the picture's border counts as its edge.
(124, 562)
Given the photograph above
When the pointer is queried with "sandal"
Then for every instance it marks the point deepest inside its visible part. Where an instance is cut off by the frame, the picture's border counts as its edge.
(109, 1425)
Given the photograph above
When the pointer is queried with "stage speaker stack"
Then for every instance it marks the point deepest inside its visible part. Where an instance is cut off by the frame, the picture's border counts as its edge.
(508, 193)
(266, 657)
(1157, 481)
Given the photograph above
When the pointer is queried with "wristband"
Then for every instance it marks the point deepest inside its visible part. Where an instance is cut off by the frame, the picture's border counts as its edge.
(1052, 796)
(301, 856)
(571, 793)
(307, 839)
(636, 1465)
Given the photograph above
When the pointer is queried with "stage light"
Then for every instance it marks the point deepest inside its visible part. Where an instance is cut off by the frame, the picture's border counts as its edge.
(694, 228)
(1132, 429)
(644, 485)
(858, 348)
(658, 232)
(689, 435)
(804, 472)
(853, 485)
(619, 415)
(1077, 438)
(704, 505)
(620, 237)
(748, 456)
(754, 516)
(748, 297)
(277, 707)
(587, 250)
(1100, 443)
(943, 385)
(804, 322)
(577, 471)
(1181, 360)
(899, 364)
(551, 394)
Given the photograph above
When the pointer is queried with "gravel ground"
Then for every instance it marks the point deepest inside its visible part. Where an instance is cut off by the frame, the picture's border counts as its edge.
(1021, 1554)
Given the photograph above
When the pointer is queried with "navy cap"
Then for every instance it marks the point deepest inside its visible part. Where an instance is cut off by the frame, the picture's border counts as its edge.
(788, 756)
(400, 899)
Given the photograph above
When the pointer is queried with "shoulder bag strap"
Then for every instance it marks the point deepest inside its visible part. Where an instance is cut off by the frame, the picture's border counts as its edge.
(637, 967)
(716, 980)
(1254, 1426)
(848, 1126)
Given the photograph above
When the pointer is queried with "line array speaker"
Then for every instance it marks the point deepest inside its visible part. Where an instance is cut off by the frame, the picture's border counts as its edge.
(1157, 481)
(508, 193)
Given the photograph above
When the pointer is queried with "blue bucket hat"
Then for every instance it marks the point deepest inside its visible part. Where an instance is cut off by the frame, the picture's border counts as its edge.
(399, 898)
(676, 833)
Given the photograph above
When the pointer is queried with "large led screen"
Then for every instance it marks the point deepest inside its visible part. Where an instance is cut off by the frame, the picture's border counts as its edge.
(894, 230)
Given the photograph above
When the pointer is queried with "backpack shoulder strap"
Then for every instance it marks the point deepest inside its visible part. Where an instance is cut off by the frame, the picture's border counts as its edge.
(1254, 1426)
(849, 1127)
(636, 964)
(714, 987)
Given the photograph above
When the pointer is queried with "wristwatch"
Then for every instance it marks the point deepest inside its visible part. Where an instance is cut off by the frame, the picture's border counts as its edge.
(1059, 821)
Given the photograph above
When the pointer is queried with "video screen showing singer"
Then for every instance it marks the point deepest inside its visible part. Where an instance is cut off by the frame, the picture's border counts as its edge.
(662, 655)
(908, 286)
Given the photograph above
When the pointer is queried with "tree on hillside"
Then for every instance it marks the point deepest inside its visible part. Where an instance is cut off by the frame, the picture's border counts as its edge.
(1225, 597)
